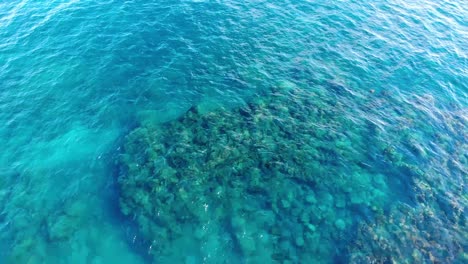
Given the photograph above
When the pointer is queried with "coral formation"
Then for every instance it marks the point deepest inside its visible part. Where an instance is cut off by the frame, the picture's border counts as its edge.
(429, 227)
(289, 177)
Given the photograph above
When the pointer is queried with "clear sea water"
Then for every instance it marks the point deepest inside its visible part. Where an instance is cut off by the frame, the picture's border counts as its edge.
(76, 77)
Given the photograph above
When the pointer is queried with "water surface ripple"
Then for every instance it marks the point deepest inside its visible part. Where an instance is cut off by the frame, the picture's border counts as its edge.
(337, 131)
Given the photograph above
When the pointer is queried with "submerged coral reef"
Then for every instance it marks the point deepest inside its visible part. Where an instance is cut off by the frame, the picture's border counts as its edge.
(290, 177)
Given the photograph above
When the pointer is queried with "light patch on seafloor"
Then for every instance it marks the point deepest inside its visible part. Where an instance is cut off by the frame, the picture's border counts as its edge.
(54, 203)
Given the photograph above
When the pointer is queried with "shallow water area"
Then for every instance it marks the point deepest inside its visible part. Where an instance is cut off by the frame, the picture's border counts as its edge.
(235, 132)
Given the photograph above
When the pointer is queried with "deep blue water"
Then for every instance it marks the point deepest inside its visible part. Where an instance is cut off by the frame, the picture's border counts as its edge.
(390, 77)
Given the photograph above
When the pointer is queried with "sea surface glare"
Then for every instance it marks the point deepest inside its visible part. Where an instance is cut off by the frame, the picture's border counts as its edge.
(223, 131)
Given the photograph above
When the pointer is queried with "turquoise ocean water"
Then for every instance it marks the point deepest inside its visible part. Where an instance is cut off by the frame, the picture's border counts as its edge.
(199, 131)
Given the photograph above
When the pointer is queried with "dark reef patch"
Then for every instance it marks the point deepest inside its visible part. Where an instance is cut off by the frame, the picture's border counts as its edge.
(291, 178)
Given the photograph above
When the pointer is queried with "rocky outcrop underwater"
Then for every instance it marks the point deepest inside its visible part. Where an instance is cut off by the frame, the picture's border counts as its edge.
(298, 176)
